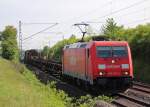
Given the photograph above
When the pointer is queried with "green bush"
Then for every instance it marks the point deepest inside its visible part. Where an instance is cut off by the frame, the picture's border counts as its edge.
(56, 51)
(9, 43)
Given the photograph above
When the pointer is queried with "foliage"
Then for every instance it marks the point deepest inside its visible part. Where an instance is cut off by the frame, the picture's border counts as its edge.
(141, 69)
(56, 51)
(45, 51)
(0, 36)
(89, 101)
(110, 29)
(9, 43)
(140, 42)
(83, 101)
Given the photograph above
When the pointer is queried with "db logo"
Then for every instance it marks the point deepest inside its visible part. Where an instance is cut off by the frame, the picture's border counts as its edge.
(72, 61)
(113, 66)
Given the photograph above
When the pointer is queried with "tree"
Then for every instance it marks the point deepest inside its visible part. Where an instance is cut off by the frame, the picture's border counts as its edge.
(110, 28)
(0, 36)
(55, 52)
(45, 51)
(9, 43)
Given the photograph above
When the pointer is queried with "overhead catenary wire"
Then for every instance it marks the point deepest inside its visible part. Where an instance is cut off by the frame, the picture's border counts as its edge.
(124, 8)
(94, 22)
(131, 13)
(52, 32)
(88, 13)
(40, 32)
(113, 12)
(140, 20)
(136, 11)
(117, 11)
(39, 23)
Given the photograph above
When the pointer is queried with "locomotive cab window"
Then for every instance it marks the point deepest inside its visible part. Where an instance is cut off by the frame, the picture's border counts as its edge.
(103, 51)
(119, 51)
(83, 45)
(111, 51)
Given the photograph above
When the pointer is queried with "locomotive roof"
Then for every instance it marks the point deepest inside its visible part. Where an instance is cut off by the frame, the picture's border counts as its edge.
(84, 44)
(76, 45)
(111, 42)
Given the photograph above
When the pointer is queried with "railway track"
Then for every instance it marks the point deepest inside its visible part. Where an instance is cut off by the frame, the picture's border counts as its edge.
(136, 96)
(60, 85)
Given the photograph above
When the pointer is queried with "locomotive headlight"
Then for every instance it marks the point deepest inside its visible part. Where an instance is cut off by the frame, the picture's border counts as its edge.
(125, 66)
(102, 66)
(126, 73)
(100, 73)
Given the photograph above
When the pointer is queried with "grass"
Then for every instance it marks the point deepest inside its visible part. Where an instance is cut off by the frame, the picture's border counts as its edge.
(24, 90)
(20, 88)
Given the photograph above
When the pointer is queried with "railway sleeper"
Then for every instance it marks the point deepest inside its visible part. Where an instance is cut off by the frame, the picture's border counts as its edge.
(147, 104)
(122, 102)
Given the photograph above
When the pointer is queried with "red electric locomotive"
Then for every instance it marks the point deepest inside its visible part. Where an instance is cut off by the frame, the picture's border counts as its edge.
(99, 62)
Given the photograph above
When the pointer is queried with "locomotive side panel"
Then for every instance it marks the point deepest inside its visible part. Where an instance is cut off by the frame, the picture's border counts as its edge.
(75, 62)
(130, 63)
(90, 63)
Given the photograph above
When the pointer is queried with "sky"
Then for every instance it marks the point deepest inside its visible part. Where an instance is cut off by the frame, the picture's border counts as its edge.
(66, 13)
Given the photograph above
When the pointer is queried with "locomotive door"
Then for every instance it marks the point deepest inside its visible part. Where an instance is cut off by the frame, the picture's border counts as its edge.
(86, 62)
